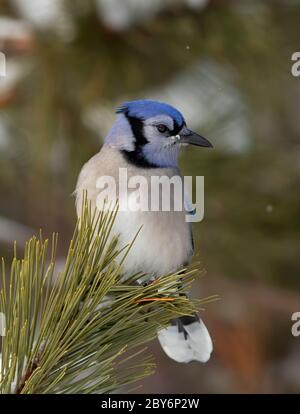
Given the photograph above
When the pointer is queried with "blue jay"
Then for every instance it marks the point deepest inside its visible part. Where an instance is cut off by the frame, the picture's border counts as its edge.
(146, 140)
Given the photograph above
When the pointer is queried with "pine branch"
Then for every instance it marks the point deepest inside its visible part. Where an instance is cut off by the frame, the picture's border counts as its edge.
(82, 332)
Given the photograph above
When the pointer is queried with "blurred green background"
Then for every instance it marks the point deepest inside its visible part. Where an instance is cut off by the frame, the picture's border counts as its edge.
(227, 66)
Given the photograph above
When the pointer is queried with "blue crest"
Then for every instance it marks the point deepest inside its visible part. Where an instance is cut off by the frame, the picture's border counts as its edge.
(146, 108)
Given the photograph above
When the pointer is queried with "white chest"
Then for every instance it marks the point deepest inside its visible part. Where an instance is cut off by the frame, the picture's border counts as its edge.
(163, 244)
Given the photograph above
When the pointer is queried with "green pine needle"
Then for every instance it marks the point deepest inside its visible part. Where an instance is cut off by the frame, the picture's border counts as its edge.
(82, 332)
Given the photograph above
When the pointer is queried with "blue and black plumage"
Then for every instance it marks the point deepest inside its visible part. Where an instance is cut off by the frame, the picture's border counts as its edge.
(146, 140)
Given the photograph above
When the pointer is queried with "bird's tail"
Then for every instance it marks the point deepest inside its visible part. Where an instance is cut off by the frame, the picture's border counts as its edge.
(186, 339)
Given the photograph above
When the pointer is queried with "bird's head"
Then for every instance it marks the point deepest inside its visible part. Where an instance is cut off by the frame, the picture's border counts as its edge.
(150, 133)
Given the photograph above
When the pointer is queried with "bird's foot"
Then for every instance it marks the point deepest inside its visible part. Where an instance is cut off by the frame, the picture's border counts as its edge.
(153, 281)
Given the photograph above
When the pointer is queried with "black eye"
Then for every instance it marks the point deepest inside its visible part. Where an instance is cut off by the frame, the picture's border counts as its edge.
(161, 128)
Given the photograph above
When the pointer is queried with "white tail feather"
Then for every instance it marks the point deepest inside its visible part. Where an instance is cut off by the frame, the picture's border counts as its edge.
(192, 343)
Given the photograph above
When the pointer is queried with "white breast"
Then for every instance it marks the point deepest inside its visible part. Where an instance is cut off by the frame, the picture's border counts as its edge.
(164, 242)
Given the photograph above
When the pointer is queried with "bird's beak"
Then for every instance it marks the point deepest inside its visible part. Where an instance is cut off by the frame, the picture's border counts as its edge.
(189, 137)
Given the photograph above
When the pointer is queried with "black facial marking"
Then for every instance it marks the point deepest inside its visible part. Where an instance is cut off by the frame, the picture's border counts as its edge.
(136, 157)
(137, 130)
(177, 127)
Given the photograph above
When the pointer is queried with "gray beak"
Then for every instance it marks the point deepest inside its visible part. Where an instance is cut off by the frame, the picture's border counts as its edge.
(189, 137)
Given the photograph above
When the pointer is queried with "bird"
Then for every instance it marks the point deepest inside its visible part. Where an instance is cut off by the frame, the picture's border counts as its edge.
(145, 141)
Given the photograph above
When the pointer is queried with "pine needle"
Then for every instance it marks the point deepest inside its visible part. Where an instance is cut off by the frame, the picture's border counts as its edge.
(70, 334)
